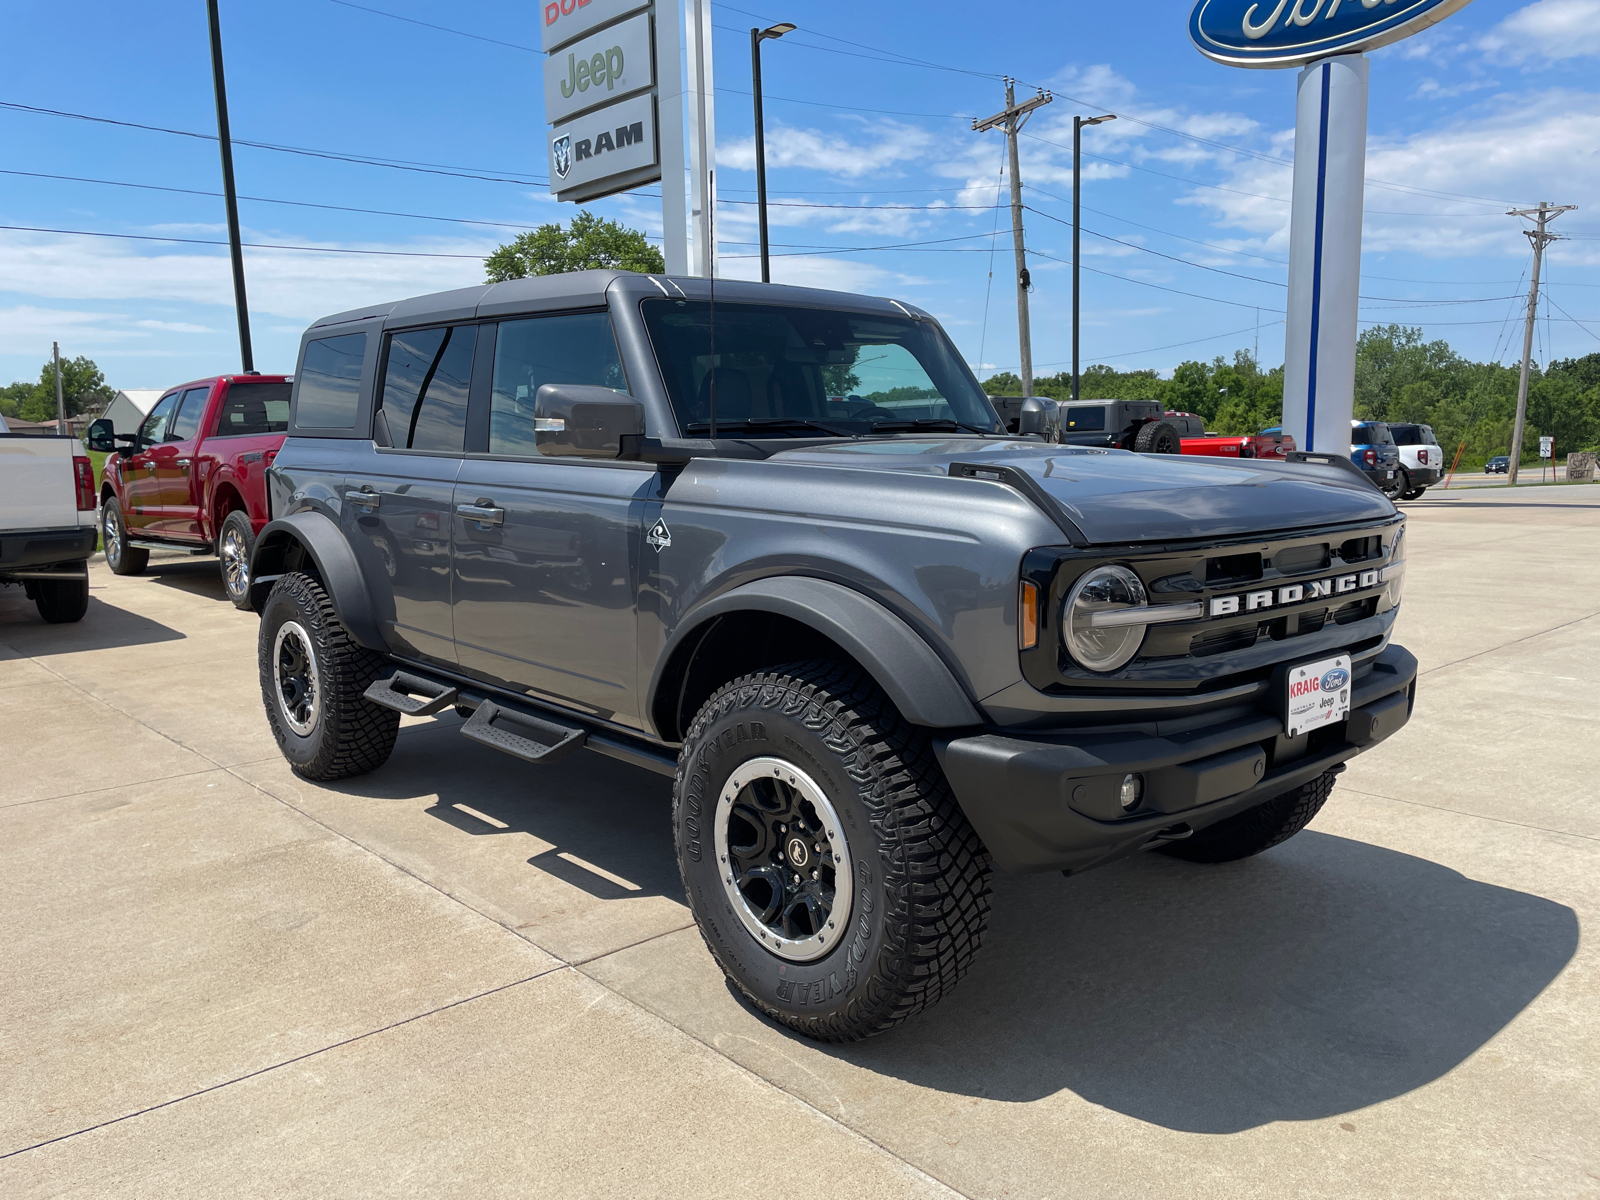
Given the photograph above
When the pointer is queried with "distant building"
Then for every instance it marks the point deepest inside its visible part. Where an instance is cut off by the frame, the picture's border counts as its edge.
(130, 407)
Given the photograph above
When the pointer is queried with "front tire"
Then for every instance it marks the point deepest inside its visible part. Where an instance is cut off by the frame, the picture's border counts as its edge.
(61, 601)
(122, 558)
(312, 679)
(235, 544)
(835, 879)
(1256, 829)
(1157, 437)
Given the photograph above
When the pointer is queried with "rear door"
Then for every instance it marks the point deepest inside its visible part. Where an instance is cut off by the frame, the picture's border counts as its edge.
(141, 492)
(546, 550)
(176, 474)
(397, 500)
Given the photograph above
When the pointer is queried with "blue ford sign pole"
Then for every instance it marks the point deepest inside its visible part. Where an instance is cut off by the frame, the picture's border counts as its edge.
(1327, 38)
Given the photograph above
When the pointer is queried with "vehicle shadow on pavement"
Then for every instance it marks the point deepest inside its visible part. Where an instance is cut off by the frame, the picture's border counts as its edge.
(1322, 977)
(103, 627)
(197, 576)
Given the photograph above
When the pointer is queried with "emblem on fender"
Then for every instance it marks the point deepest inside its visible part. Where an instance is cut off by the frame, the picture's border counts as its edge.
(660, 537)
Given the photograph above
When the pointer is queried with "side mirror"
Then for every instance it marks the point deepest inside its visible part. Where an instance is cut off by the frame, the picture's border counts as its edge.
(102, 436)
(1032, 417)
(587, 422)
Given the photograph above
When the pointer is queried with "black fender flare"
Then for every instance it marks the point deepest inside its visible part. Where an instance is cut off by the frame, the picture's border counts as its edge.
(899, 659)
(336, 565)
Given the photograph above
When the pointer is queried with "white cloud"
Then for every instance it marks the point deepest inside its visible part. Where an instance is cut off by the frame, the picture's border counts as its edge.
(174, 326)
(819, 271)
(891, 142)
(1549, 29)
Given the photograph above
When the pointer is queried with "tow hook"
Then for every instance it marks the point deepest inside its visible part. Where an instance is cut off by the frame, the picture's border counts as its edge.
(1173, 833)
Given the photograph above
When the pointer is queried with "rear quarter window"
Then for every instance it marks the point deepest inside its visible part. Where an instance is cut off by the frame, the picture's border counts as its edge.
(330, 382)
(254, 409)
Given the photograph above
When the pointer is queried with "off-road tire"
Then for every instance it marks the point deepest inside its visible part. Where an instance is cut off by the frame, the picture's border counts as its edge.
(122, 558)
(236, 525)
(920, 874)
(61, 601)
(350, 734)
(1256, 829)
(1157, 437)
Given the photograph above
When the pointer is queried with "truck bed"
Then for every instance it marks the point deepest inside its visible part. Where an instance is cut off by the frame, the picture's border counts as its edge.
(37, 490)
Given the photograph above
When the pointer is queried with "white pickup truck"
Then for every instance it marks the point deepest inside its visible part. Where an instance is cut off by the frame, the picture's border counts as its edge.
(47, 521)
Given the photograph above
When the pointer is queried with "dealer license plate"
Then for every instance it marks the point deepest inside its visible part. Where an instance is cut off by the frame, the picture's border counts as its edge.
(1319, 694)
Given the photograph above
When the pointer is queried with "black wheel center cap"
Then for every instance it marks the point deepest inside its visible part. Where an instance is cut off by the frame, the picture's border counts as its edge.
(799, 853)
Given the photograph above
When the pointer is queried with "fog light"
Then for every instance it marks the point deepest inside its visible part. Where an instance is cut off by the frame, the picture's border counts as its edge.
(1132, 792)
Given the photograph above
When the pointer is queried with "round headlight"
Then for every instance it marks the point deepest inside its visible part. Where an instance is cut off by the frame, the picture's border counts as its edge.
(1102, 648)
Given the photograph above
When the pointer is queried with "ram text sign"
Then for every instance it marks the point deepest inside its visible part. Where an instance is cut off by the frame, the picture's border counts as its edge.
(610, 148)
(598, 69)
(1291, 33)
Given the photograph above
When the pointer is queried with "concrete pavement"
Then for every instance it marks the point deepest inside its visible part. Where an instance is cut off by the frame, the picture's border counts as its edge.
(463, 976)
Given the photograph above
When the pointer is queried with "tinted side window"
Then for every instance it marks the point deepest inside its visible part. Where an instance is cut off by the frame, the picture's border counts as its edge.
(330, 382)
(1079, 419)
(1360, 436)
(425, 387)
(254, 408)
(186, 423)
(155, 425)
(571, 348)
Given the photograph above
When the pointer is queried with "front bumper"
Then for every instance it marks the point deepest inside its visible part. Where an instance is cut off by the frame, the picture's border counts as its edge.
(35, 552)
(1050, 803)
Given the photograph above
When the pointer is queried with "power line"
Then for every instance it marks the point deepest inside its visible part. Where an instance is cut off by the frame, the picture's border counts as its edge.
(143, 237)
(378, 12)
(1171, 346)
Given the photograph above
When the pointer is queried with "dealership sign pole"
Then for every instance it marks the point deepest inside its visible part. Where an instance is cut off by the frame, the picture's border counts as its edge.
(1327, 38)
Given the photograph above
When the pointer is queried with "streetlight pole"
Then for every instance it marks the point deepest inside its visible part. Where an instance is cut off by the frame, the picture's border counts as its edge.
(1077, 179)
(757, 36)
(230, 200)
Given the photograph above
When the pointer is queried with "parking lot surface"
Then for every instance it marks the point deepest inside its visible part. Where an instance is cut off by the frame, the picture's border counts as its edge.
(465, 976)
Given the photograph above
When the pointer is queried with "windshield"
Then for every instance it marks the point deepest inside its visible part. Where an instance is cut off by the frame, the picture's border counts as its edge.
(794, 371)
(1374, 433)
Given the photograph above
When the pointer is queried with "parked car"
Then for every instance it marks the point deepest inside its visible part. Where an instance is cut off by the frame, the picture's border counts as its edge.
(1421, 459)
(876, 655)
(1124, 424)
(1500, 464)
(194, 476)
(1196, 440)
(1372, 449)
(1274, 443)
(47, 519)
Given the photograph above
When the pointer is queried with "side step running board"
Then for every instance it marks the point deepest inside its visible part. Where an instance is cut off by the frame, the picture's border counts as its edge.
(531, 739)
(411, 695)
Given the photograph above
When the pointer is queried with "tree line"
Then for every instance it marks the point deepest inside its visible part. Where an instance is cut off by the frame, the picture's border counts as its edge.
(83, 386)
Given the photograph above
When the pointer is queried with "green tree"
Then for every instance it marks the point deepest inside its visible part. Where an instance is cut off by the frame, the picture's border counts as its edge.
(1003, 383)
(83, 385)
(588, 243)
(11, 398)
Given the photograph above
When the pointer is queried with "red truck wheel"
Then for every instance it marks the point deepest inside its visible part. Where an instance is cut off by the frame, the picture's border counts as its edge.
(234, 547)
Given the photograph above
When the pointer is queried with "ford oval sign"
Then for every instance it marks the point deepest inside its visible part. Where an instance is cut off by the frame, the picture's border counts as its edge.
(1291, 33)
(1335, 679)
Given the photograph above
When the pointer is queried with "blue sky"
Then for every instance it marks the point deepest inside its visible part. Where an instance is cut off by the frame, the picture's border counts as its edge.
(1496, 106)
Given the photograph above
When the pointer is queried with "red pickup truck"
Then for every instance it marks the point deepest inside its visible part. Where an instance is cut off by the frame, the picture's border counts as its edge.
(1192, 435)
(195, 475)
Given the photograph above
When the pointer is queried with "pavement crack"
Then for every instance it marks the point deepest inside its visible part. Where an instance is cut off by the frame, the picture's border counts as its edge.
(1462, 812)
(1512, 642)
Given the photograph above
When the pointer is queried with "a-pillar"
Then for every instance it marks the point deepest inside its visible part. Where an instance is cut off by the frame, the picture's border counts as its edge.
(1330, 157)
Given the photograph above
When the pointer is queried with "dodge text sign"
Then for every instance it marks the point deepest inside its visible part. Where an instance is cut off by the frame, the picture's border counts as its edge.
(562, 20)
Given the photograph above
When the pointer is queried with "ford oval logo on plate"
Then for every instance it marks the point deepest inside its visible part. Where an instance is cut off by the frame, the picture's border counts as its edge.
(1335, 679)
(1291, 33)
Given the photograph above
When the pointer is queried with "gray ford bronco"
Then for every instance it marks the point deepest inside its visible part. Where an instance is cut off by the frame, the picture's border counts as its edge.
(776, 544)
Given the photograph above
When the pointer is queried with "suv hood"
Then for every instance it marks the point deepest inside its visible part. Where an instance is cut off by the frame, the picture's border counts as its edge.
(1116, 496)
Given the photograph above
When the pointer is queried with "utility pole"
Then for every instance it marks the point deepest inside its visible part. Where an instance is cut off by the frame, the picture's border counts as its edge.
(1544, 214)
(1077, 188)
(757, 36)
(61, 404)
(230, 199)
(1012, 120)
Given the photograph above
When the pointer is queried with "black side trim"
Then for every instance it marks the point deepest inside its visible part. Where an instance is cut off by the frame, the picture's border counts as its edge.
(1318, 459)
(336, 565)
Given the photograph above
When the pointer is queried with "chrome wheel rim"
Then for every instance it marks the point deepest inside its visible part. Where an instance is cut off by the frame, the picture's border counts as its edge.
(112, 532)
(235, 570)
(294, 678)
(783, 860)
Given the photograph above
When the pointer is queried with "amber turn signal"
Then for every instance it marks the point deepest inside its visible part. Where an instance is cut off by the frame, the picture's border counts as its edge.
(1028, 616)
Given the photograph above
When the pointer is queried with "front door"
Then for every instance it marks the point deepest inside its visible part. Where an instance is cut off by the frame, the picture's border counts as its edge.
(397, 499)
(141, 492)
(547, 550)
(176, 475)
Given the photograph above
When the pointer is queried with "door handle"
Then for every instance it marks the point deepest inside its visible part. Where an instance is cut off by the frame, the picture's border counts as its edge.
(151, 467)
(365, 500)
(485, 512)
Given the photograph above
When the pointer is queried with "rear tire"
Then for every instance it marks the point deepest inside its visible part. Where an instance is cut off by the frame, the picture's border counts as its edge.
(810, 770)
(235, 544)
(61, 601)
(122, 558)
(1256, 829)
(1157, 437)
(312, 679)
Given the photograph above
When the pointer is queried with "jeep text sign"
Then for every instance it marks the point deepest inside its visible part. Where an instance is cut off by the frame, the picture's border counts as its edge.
(1291, 33)
(597, 146)
(607, 66)
(561, 21)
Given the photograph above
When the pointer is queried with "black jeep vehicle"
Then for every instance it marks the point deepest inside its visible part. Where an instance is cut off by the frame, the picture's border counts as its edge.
(1140, 425)
(774, 543)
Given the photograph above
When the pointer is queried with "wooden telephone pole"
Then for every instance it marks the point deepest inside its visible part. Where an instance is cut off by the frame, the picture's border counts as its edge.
(1544, 214)
(1012, 120)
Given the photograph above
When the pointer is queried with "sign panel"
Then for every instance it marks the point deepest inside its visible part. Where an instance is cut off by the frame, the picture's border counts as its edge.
(605, 150)
(1319, 695)
(598, 69)
(560, 21)
(1547, 447)
(1580, 467)
(1292, 33)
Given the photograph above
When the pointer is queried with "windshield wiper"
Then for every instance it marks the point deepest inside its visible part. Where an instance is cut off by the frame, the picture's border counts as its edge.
(770, 423)
(929, 423)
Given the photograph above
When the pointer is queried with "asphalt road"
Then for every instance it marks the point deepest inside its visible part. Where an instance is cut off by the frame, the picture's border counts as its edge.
(462, 976)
